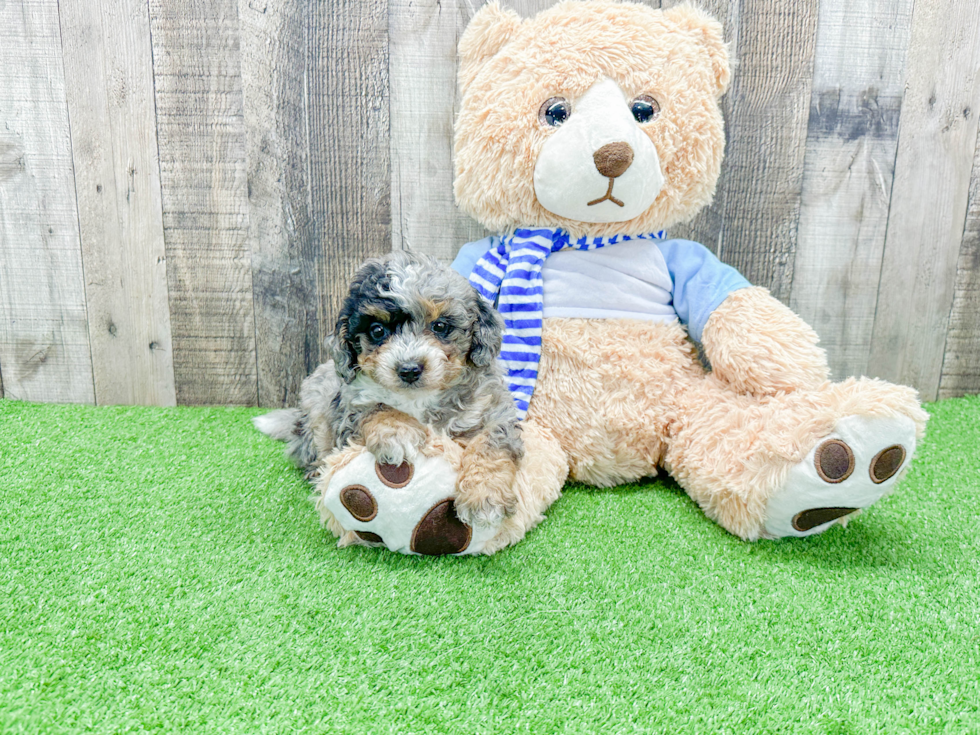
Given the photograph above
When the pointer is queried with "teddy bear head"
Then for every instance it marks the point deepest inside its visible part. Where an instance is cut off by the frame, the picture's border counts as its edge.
(598, 117)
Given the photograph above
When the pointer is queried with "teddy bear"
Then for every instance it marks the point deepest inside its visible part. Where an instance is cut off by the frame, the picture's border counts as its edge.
(584, 134)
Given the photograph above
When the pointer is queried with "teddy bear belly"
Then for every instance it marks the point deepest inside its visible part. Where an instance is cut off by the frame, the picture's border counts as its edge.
(605, 390)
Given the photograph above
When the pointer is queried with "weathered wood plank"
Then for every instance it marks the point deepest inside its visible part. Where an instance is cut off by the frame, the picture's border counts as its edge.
(858, 81)
(201, 137)
(936, 142)
(529, 8)
(285, 252)
(961, 360)
(44, 343)
(316, 114)
(767, 122)
(422, 47)
(347, 65)
(109, 78)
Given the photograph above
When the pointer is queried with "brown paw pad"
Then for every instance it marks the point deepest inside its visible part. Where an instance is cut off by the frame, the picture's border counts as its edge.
(440, 531)
(368, 536)
(814, 517)
(395, 475)
(359, 502)
(834, 461)
(886, 463)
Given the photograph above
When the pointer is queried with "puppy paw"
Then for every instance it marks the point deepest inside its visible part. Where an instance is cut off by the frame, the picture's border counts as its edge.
(393, 440)
(394, 450)
(847, 471)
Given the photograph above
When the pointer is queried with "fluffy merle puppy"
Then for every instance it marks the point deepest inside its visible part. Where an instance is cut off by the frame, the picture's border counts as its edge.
(414, 346)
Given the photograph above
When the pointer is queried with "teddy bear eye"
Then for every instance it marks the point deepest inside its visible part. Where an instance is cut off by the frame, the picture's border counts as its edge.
(554, 111)
(645, 108)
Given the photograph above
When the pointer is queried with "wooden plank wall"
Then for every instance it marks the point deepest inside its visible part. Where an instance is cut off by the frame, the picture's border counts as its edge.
(45, 353)
(186, 186)
(109, 79)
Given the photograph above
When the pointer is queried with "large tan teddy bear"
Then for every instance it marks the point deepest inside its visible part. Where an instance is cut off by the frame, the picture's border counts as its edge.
(582, 134)
(599, 121)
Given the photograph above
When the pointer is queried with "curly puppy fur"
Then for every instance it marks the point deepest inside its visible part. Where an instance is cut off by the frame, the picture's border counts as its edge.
(414, 347)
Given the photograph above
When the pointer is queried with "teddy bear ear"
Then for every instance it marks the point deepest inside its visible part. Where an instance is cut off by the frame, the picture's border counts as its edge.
(708, 32)
(485, 35)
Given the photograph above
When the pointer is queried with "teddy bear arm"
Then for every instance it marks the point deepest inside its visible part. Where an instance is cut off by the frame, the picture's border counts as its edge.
(760, 347)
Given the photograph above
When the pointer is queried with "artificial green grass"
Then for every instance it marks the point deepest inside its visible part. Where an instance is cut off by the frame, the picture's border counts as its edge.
(163, 570)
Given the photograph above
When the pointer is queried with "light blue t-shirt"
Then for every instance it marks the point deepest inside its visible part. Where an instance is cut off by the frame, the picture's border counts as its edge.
(652, 280)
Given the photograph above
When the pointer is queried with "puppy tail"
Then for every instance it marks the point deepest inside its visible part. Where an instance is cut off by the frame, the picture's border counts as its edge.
(290, 425)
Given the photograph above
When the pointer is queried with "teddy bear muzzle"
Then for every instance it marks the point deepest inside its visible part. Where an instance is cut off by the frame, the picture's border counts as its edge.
(600, 147)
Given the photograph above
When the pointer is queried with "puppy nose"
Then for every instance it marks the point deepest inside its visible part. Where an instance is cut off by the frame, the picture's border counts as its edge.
(409, 372)
(613, 159)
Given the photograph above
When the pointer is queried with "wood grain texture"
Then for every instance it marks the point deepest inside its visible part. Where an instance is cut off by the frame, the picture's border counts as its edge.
(349, 143)
(109, 77)
(767, 123)
(936, 142)
(858, 82)
(961, 359)
(530, 8)
(285, 252)
(422, 47)
(316, 115)
(44, 343)
(201, 137)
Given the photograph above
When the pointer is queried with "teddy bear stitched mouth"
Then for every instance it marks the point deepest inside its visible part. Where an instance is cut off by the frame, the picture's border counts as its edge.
(612, 160)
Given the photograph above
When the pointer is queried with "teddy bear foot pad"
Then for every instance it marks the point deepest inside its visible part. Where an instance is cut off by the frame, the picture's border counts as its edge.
(409, 508)
(847, 471)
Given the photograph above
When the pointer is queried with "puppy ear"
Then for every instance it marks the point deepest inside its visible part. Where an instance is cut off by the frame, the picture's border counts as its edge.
(344, 354)
(342, 344)
(486, 33)
(487, 333)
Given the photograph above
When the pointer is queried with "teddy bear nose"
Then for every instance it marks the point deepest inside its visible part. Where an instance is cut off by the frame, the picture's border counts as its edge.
(613, 159)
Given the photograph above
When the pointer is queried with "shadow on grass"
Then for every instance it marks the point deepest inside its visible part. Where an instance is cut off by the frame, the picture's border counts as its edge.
(873, 541)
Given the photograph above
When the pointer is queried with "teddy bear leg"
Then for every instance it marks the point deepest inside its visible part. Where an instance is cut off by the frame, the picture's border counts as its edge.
(540, 477)
(410, 508)
(793, 464)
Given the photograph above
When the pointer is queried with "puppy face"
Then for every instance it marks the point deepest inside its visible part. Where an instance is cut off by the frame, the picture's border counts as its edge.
(412, 324)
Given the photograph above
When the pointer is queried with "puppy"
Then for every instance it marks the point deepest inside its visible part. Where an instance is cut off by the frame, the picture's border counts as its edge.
(414, 346)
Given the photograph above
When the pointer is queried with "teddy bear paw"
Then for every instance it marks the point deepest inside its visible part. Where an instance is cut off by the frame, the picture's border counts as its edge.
(409, 507)
(848, 470)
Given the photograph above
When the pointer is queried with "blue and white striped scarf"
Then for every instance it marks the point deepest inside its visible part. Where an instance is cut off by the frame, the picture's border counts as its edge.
(510, 274)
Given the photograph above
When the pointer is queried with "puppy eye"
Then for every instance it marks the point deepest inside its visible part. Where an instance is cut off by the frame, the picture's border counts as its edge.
(645, 108)
(554, 111)
(378, 332)
(441, 328)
